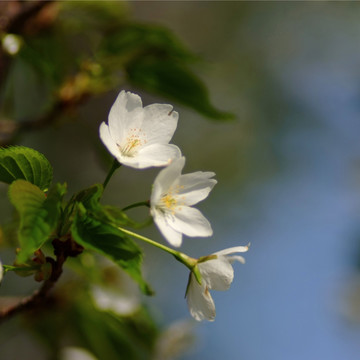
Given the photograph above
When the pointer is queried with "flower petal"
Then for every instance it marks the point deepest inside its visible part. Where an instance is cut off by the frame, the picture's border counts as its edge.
(165, 179)
(122, 114)
(218, 273)
(191, 222)
(200, 303)
(160, 123)
(196, 186)
(171, 235)
(108, 141)
(1, 271)
(156, 155)
(233, 250)
(238, 258)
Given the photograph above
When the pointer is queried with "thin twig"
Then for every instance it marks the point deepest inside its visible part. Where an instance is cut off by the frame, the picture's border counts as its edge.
(62, 250)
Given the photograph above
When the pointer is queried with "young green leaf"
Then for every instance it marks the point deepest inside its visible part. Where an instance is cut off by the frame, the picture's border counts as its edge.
(107, 240)
(38, 214)
(90, 197)
(20, 162)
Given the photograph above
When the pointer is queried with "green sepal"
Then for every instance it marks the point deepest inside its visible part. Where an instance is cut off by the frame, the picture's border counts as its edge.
(20, 162)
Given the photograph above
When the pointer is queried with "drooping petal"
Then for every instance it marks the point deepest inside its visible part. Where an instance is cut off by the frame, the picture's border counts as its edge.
(191, 222)
(196, 186)
(108, 141)
(156, 155)
(218, 273)
(165, 179)
(238, 258)
(170, 234)
(233, 250)
(160, 122)
(199, 300)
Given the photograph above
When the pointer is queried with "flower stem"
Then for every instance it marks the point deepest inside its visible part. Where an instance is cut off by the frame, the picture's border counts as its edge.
(22, 268)
(183, 258)
(115, 165)
(141, 203)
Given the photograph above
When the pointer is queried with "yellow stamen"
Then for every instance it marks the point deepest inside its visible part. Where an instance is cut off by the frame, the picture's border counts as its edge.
(135, 139)
(170, 200)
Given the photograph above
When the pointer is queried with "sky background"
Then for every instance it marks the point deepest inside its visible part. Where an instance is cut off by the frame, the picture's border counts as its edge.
(288, 172)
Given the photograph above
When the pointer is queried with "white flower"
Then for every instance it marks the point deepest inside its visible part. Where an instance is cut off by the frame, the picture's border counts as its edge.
(139, 137)
(171, 200)
(217, 273)
(1, 272)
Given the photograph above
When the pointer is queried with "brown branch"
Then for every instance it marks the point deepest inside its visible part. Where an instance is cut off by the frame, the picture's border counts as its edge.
(9, 130)
(62, 250)
(15, 14)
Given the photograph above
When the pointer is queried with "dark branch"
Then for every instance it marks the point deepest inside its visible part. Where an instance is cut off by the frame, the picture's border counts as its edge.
(62, 250)
(14, 17)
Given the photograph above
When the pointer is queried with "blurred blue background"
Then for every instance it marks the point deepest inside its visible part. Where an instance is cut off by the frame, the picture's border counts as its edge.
(288, 171)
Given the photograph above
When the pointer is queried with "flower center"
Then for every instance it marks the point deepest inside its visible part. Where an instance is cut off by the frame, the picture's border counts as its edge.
(135, 139)
(171, 200)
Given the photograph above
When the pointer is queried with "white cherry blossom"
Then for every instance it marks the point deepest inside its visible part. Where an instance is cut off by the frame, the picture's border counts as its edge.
(216, 273)
(171, 202)
(139, 136)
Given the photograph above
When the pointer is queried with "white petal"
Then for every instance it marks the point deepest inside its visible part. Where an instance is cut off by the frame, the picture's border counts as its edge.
(124, 103)
(1, 271)
(165, 179)
(171, 235)
(238, 258)
(196, 186)
(191, 222)
(159, 123)
(218, 273)
(232, 250)
(199, 300)
(156, 155)
(126, 112)
(108, 140)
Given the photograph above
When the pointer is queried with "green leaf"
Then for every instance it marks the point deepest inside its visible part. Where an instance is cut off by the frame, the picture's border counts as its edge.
(132, 39)
(90, 197)
(118, 217)
(20, 162)
(174, 80)
(38, 214)
(107, 240)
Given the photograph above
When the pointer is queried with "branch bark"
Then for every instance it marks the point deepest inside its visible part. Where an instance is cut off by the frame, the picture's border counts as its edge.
(62, 250)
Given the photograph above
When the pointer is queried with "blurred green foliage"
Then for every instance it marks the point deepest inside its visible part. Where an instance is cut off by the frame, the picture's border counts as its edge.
(73, 50)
